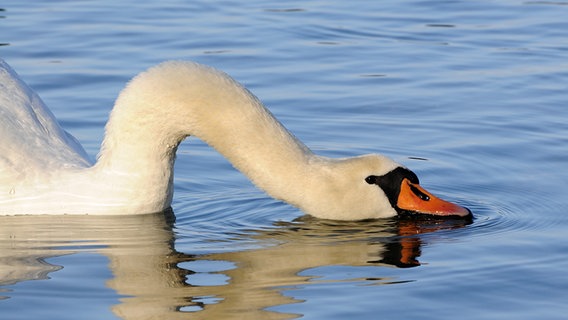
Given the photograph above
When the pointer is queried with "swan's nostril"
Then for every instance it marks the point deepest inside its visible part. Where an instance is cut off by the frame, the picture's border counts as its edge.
(423, 196)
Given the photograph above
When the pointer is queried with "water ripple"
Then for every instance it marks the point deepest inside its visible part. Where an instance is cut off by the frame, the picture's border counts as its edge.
(226, 220)
(504, 216)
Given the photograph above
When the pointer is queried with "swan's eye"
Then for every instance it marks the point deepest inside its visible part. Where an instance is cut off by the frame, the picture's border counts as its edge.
(371, 179)
(419, 194)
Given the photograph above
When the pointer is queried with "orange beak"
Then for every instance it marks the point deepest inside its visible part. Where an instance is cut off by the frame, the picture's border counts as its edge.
(414, 198)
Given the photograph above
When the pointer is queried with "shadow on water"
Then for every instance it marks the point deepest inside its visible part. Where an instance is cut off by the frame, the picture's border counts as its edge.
(155, 280)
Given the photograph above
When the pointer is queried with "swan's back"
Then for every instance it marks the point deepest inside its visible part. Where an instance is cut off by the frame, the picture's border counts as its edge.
(33, 144)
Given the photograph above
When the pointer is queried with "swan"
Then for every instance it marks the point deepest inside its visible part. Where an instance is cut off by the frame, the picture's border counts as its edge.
(44, 170)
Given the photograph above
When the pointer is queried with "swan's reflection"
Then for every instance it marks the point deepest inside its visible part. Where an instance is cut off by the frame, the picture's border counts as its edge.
(157, 281)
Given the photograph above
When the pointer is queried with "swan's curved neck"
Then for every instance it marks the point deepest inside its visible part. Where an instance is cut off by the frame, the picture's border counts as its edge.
(166, 104)
(257, 144)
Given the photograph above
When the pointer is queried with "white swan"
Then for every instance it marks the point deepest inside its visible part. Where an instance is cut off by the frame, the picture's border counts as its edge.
(43, 170)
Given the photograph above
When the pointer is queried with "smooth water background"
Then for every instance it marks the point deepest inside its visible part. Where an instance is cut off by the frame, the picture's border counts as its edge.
(471, 95)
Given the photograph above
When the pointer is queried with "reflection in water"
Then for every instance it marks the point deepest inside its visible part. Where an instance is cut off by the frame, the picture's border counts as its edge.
(156, 281)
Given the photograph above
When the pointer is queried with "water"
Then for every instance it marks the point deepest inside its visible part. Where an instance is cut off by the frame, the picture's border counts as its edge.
(470, 95)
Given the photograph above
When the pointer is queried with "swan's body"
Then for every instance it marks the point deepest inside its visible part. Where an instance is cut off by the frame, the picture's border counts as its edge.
(43, 170)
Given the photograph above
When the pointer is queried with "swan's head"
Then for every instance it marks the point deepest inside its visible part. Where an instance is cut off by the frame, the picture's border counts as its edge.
(374, 186)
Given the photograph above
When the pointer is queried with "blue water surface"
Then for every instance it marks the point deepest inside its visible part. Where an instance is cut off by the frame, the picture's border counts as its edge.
(471, 95)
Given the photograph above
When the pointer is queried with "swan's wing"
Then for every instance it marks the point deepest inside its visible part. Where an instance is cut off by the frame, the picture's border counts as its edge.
(31, 141)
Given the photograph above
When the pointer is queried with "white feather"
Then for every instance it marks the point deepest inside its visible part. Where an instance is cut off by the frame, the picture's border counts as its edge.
(43, 170)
